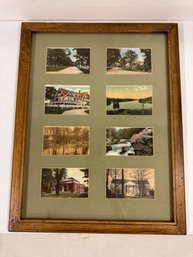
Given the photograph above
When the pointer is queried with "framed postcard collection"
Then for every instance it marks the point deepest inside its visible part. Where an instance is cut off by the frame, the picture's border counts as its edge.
(98, 133)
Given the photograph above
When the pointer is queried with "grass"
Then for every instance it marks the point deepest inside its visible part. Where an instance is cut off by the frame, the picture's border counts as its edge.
(60, 110)
(66, 195)
(54, 110)
(130, 112)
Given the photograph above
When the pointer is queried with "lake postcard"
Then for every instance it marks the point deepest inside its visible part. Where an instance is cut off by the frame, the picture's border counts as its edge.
(129, 100)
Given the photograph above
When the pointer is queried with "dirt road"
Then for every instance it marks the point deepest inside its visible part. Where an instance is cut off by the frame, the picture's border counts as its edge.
(128, 72)
(69, 70)
(75, 112)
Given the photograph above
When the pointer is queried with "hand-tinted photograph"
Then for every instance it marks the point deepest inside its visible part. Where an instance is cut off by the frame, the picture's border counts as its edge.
(134, 183)
(68, 60)
(129, 100)
(66, 140)
(67, 100)
(127, 141)
(129, 61)
(65, 182)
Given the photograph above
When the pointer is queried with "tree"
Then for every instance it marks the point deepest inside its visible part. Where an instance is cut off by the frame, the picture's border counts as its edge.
(116, 104)
(142, 101)
(50, 93)
(131, 58)
(126, 133)
(67, 52)
(108, 191)
(83, 56)
(47, 179)
(84, 135)
(86, 174)
(86, 177)
(51, 178)
(141, 177)
(59, 174)
(113, 56)
(122, 133)
(108, 101)
(122, 183)
(113, 177)
(111, 133)
(58, 57)
(147, 59)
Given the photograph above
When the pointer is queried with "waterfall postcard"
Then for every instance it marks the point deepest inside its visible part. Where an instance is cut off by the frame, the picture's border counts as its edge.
(129, 61)
(129, 100)
(138, 183)
(67, 99)
(66, 140)
(65, 182)
(127, 141)
(68, 60)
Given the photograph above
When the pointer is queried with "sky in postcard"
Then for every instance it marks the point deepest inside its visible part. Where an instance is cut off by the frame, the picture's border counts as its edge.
(129, 174)
(136, 50)
(70, 52)
(76, 173)
(78, 88)
(131, 91)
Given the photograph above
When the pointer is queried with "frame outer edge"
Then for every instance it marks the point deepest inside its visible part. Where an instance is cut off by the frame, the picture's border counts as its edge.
(20, 127)
(176, 131)
(15, 221)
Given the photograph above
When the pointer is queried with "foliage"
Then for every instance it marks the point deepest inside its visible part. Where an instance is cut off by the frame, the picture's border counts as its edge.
(108, 101)
(59, 174)
(115, 175)
(122, 133)
(66, 140)
(50, 93)
(130, 58)
(119, 176)
(86, 174)
(130, 112)
(53, 177)
(83, 54)
(113, 56)
(141, 176)
(58, 57)
(54, 110)
(147, 59)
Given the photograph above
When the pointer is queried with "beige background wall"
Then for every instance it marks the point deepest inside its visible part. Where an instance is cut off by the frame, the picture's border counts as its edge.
(83, 245)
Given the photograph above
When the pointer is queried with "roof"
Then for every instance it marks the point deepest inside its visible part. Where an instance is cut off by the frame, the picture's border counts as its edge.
(70, 180)
(77, 94)
(66, 91)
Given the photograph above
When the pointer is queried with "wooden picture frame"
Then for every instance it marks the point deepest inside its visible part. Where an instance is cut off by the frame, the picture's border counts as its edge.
(143, 225)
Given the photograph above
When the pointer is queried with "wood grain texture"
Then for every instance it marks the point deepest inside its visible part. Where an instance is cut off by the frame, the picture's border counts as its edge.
(178, 224)
(176, 130)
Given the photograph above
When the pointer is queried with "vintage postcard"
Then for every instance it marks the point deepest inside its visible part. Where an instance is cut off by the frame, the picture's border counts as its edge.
(68, 60)
(130, 61)
(66, 140)
(67, 99)
(65, 182)
(125, 141)
(129, 100)
(137, 183)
